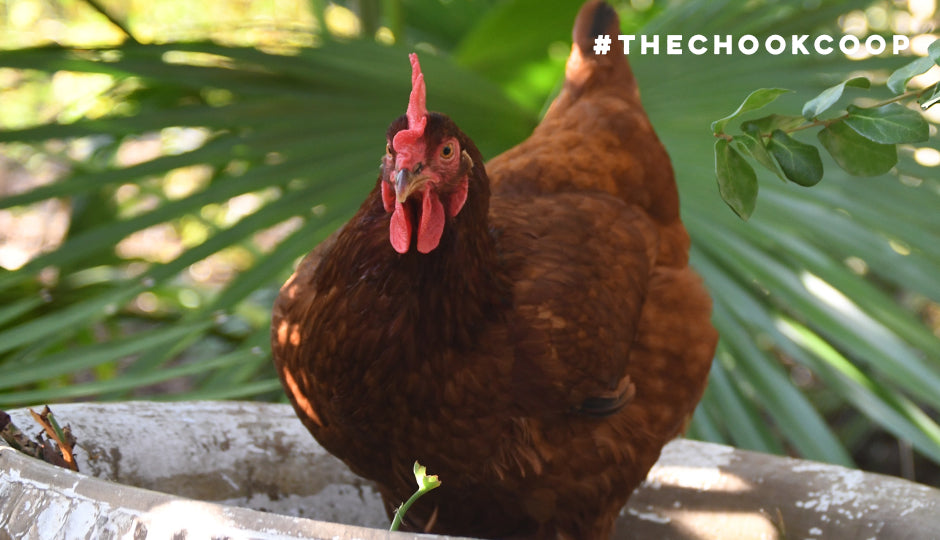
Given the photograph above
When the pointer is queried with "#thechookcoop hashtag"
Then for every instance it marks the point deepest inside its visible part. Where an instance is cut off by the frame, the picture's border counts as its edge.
(676, 44)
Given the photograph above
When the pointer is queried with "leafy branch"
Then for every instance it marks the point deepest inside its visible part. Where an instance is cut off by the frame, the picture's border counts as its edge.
(862, 140)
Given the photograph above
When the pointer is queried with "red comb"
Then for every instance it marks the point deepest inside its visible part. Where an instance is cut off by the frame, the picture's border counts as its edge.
(417, 112)
(417, 108)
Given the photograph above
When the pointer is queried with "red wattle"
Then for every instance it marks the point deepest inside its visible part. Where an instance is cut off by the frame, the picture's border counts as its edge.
(432, 222)
(399, 233)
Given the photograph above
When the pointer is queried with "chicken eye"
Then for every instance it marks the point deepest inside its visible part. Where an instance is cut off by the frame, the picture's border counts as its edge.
(447, 151)
(388, 149)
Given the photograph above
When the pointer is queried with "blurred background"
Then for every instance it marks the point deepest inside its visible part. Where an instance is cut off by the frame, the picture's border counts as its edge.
(164, 163)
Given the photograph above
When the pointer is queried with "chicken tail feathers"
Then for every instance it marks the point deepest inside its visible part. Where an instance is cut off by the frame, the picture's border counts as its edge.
(590, 64)
(595, 18)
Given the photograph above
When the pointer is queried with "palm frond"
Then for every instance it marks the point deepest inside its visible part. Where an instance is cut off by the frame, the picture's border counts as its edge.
(828, 281)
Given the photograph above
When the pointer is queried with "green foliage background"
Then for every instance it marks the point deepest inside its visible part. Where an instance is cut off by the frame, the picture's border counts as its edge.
(269, 135)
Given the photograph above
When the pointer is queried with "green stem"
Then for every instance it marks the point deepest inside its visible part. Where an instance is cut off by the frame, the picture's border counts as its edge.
(425, 482)
(816, 123)
(900, 97)
(400, 513)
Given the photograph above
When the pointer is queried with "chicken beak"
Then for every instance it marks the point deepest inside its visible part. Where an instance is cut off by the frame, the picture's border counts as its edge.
(408, 182)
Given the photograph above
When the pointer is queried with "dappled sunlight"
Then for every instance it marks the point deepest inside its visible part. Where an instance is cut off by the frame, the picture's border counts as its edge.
(928, 157)
(922, 9)
(35, 22)
(915, 20)
(183, 182)
(933, 115)
(920, 42)
(27, 232)
(829, 294)
(697, 477)
(926, 79)
(809, 340)
(191, 519)
(168, 519)
(899, 247)
(342, 22)
(867, 328)
(841, 304)
(159, 243)
(194, 58)
(385, 36)
(700, 491)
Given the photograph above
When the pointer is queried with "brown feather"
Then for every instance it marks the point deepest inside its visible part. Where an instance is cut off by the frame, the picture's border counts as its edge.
(542, 355)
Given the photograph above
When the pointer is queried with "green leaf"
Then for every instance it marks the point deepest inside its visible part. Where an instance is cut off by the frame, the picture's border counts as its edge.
(844, 324)
(89, 356)
(498, 45)
(737, 182)
(744, 313)
(216, 152)
(17, 309)
(799, 161)
(425, 481)
(67, 319)
(862, 230)
(929, 99)
(126, 383)
(703, 426)
(757, 99)
(753, 141)
(848, 381)
(876, 400)
(889, 124)
(794, 412)
(856, 154)
(870, 298)
(258, 389)
(751, 430)
(786, 122)
(898, 80)
(828, 97)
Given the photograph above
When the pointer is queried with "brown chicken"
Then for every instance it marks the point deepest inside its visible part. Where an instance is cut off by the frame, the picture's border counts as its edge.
(529, 330)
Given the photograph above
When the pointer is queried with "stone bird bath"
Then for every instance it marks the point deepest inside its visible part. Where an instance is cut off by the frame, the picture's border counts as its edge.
(251, 471)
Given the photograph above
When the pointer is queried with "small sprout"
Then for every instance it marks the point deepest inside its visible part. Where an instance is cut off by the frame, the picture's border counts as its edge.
(425, 483)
